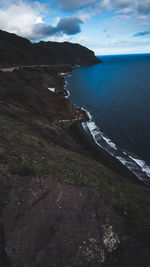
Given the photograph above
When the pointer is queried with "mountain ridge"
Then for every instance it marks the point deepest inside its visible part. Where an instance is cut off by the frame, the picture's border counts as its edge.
(16, 50)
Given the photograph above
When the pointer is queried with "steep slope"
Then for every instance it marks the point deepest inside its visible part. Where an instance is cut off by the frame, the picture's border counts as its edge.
(17, 51)
(68, 53)
(58, 205)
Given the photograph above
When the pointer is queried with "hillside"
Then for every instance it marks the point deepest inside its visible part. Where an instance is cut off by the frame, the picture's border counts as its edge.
(17, 51)
(59, 205)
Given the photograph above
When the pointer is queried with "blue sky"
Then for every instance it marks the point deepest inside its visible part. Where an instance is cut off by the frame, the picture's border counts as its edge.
(105, 26)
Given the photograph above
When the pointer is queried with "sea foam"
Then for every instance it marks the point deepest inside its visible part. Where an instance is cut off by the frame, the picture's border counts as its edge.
(96, 132)
(136, 166)
(143, 165)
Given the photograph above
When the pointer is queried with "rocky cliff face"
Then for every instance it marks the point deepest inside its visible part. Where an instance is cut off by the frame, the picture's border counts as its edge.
(16, 51)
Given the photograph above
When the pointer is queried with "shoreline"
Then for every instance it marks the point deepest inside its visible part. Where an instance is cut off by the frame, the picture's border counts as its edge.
(99, 154)
(87, 141)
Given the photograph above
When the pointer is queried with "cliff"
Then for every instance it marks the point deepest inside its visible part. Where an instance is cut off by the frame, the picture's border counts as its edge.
(60, 205)
(17, 51)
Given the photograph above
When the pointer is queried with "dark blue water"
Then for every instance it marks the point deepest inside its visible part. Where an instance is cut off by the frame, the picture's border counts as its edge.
(117, 95)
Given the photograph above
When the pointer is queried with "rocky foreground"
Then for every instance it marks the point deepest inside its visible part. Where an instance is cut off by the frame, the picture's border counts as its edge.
(59, 205)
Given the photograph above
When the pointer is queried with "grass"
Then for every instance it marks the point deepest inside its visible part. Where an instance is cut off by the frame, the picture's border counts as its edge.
(26, 153)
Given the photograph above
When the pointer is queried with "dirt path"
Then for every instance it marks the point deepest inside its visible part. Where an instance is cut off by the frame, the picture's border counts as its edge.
(10, 69)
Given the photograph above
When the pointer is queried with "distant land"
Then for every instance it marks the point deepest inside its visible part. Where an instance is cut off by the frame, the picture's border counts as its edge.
(63, 201)
(15, 50)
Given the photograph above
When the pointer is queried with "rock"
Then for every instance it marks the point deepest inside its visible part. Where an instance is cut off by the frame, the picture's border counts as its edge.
(58, 226)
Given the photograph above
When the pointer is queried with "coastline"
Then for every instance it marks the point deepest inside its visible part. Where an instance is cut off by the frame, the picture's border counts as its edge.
(90, 145)
(64, 201)
(58, 155)
(87, 142)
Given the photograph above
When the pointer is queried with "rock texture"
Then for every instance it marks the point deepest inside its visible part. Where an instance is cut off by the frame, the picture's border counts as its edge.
(54, 224)
(17, 51)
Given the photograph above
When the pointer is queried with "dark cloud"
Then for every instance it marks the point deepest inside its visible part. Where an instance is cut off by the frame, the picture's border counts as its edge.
(121, 4)
(69, 26)
(144, 8)
(75, 4)
(141, 33)
(42, 30)
(141, 7)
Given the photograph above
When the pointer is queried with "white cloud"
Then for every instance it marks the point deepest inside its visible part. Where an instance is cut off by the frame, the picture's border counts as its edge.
(120, 47)
(56, 21)
(84, 17)
(62, 38)
(20, 16)
(25, 18)
(83, 40)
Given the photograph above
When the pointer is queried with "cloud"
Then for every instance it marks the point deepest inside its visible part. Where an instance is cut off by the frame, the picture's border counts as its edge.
(144, 7)
(82, 40)
(74, 4)
(138, 7)
(67, 26)
(25, 18)
(143, 33)
(122, 4)
(19, 16)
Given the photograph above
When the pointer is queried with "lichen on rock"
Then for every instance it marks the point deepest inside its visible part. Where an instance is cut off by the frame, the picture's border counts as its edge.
(110, 238)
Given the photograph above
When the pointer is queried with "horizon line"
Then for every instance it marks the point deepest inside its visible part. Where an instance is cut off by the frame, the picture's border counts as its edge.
(146, 53)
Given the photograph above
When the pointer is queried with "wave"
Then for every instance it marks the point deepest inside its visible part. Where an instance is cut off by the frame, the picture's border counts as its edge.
(132, 162)
(68, 94)
(96, 133)
(65, 86)
(143, 165)
(65, 74)
(109, 142)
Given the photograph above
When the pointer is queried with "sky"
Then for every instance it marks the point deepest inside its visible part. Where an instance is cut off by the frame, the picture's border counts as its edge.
(104, 26)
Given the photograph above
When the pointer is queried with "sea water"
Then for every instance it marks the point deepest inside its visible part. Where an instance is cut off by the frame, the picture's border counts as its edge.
(116, 95)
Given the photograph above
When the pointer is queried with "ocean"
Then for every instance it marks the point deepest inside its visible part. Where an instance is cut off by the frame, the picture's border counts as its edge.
(116, 95)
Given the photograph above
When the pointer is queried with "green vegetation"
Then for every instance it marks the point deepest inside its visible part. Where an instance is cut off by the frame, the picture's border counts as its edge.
(27, 152)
